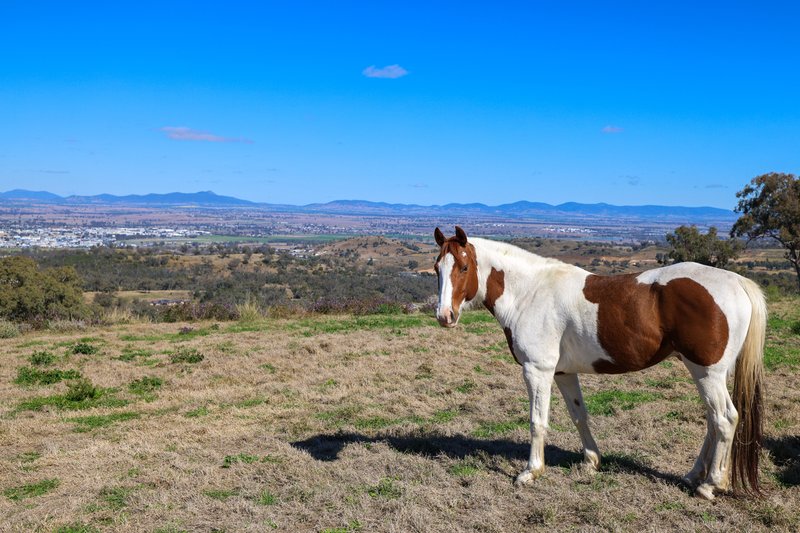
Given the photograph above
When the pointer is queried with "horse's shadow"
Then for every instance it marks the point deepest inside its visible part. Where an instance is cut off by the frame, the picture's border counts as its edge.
(785, 452)
(327, 447)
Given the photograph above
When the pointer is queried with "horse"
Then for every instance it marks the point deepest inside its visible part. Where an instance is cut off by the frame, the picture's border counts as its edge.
(561, 321)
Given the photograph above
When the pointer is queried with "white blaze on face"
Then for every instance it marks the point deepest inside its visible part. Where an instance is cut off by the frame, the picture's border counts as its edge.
(445, 287)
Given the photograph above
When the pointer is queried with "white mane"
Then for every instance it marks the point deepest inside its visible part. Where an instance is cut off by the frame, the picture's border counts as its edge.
(511, 254)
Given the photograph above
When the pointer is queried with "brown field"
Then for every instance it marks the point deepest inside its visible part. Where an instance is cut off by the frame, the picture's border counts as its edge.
(377, 423)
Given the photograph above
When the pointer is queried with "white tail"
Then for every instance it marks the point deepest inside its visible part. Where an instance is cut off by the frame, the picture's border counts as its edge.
(748, 394)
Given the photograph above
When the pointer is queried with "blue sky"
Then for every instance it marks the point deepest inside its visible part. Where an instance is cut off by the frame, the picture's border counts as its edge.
(418, 102)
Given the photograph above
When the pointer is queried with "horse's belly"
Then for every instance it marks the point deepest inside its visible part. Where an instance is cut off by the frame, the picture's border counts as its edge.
(583, 354)
(578, 353)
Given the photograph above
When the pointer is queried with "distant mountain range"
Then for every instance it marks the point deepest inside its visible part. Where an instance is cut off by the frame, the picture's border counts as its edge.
(521, 209)
(173, 198)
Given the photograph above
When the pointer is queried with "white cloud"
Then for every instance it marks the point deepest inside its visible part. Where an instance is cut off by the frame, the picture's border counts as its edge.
(182, 133)
(387, 72)
(612, 129)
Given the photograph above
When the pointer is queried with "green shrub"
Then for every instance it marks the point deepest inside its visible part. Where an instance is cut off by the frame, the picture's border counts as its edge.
(36, 295)
(8, 330)
(187, 355)
(145, 385)
(84, 348)
(80, 390)
(42, 358)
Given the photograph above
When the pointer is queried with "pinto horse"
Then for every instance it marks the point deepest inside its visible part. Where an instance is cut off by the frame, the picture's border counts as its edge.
(561, 320)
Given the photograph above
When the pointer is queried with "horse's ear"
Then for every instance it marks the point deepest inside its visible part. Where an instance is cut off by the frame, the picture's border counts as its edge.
(439, 236)
(461, 236)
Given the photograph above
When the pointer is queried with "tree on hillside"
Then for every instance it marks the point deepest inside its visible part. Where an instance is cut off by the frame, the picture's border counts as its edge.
(688, 244)
(28, 293)
(770, 207)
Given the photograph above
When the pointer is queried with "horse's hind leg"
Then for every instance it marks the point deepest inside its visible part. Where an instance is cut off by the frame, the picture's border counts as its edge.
(712, 468)
(571, 391)
(700, 468)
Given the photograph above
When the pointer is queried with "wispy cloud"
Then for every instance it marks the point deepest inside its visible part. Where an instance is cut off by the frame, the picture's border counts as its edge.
(632, 180)
(611, 129)
(55, 171)
(389, 72)
(419, 185)
(182, 133)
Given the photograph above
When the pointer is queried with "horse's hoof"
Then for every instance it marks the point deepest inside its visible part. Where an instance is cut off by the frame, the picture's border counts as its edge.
(591, 461)
(526, 478)
(705, 491)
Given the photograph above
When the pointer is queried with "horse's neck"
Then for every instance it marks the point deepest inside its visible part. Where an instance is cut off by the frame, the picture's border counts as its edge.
(520, 269)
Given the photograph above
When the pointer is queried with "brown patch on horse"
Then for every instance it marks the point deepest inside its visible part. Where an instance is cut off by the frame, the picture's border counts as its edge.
(639, 324)
(495, 285)
(510, 340)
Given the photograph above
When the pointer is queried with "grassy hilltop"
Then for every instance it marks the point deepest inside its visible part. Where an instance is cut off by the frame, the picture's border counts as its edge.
(355, 423)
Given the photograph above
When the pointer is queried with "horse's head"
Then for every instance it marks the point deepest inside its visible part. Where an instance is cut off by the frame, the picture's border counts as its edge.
(457, 268)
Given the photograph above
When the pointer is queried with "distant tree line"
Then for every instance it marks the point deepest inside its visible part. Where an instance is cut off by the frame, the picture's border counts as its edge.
(260, 276)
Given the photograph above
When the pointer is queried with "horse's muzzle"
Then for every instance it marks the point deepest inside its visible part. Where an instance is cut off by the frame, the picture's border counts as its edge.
(447, 318)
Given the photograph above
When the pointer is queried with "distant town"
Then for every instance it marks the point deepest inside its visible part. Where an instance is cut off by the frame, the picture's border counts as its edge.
(83, 237)
(37, 219)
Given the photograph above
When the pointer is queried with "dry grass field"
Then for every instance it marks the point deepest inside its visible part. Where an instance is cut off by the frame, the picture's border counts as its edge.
(340, 424)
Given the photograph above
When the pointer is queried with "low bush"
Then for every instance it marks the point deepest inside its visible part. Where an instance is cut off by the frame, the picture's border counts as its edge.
(42, 358)
(186, 355)
(8, 329)
(80, 390)
(84, 348)
(145, 385)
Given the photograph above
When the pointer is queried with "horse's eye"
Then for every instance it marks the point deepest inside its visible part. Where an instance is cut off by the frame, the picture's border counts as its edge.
(464, 268)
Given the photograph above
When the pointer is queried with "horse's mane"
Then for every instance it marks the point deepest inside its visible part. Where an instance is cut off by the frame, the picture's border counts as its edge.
(513, 252)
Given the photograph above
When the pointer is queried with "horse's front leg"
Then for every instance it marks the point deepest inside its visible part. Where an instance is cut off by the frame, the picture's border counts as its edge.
(538, 382)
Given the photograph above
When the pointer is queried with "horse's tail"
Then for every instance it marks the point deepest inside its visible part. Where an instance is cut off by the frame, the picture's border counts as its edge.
(748, 394)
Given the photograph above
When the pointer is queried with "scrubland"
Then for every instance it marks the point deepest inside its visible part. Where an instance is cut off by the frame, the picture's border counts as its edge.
(356, 423)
